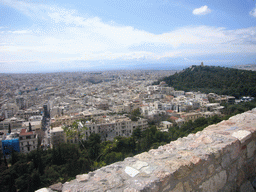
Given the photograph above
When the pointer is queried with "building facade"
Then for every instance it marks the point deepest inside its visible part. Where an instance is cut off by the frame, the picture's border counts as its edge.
(28, 140)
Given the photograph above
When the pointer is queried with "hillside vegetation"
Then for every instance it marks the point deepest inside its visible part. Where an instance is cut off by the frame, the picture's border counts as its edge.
(220, 80)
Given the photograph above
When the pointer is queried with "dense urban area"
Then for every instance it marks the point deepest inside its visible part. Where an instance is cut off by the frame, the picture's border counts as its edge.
(56, 125)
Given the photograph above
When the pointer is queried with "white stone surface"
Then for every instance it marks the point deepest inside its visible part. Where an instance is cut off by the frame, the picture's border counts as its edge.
(131, 171)
(83, 177)
(148, 169)
(42, 190)
(242, 135)
(139, 164)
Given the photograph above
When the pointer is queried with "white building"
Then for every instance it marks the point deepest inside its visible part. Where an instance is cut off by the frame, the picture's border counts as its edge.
(57, 136)
(28, 140)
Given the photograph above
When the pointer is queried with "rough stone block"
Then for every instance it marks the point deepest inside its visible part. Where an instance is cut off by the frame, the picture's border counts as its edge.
(254, 183)
(143, 156)
(235, 150)
(130, 190)
(56, 187)
(211, 170)
(131, 171)
(178, 188)
(251, 149)
(240, 177)
(229, 187)
(225, 160)
(247, 187)
(181, 168)
(232, 173)
(167, 188)
(198, 176)
(81, 178)
(215, 183)
(187, 186)
(242, 135)
(241, 159)
(42, 190)
(249, 167)
(139, 164)
(148, 169)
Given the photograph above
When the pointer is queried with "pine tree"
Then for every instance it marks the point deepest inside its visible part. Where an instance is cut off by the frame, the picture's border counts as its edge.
(9, 130)
(29, 127)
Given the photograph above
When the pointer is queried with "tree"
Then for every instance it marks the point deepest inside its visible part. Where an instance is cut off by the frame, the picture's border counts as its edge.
(136, 133)
(14, 157)
(94, 146)
(29, 127)
(34, 181)
(9, 130)
(136, 112)
(75, 131)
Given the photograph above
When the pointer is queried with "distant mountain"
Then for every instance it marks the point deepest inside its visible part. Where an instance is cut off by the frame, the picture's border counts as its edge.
(220, 80)
(251, 67)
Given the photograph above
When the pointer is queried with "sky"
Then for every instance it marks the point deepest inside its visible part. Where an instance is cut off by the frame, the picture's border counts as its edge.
(53, 35)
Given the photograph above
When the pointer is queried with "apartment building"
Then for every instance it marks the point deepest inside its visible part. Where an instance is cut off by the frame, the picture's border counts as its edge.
(190, 116)
(107, 127)
(26, 114)
(28, 140)
(10, 142)
(36, 125)
(110, 127)
(14, 122)
(57, 136)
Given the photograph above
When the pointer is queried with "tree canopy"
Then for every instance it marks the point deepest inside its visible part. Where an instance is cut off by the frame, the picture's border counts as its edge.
(211, 79)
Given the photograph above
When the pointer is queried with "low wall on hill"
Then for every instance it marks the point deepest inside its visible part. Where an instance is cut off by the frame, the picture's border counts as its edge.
(222, 157)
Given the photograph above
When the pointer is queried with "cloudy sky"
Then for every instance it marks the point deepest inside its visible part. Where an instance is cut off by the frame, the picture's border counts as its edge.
(54, 35)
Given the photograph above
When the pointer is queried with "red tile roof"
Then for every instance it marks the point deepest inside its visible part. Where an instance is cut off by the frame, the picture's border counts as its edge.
(174, 118)
(24, 132)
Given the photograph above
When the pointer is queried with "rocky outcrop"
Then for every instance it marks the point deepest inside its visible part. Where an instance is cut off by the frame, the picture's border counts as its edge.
(222, 157)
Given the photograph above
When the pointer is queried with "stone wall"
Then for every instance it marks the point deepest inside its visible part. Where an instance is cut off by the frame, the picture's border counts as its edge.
(222, 157)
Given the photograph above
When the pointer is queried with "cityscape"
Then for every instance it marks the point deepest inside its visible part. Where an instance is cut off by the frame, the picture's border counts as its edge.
(106, 116)
(99, 101)
(127, 96)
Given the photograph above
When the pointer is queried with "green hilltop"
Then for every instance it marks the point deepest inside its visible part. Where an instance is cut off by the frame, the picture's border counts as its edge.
(211, 79)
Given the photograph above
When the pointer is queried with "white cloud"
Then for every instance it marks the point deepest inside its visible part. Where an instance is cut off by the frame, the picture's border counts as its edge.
(20, 32)
(72, 37)
(202, 10)
(253, 12)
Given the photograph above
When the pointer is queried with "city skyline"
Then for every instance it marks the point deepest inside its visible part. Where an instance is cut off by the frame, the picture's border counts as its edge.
(56, 36)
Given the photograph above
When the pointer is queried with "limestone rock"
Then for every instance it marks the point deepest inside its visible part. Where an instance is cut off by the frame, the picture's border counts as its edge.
(247, 187)
(56, 187)
(242, 135)
(83, 177)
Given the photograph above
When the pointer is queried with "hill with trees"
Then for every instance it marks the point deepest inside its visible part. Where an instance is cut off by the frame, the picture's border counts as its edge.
(211, 79)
